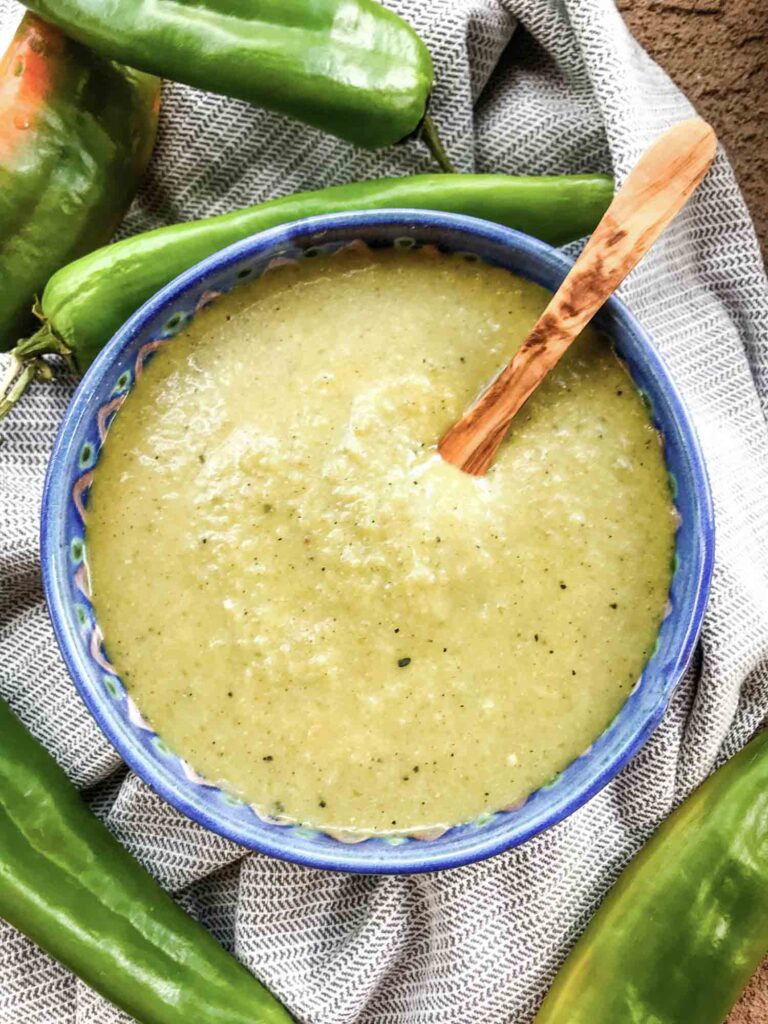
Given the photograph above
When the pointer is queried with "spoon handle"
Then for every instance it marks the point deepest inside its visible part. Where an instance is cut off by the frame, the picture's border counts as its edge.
(658, 186)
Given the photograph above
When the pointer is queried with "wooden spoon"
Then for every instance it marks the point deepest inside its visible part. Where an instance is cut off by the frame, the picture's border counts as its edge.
(658, 186)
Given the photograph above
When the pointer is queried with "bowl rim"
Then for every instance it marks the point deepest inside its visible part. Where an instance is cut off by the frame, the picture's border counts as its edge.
(348, 857)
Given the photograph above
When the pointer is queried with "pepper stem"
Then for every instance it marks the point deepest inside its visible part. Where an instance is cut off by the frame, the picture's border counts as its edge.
(435, 146)
(44, 342)
(28, 365)
(15, 383)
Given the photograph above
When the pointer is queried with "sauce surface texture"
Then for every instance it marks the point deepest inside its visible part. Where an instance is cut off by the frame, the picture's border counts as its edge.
(314, 609)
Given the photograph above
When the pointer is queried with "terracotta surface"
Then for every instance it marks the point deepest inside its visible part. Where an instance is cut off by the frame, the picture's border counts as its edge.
(717, 52)
(752, 1008)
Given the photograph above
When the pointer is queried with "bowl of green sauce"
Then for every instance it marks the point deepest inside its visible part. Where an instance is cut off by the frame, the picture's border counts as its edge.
(305, 630)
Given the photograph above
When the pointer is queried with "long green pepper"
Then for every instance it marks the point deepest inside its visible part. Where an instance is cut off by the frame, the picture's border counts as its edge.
(86, 302)
(686, 925)
(350, 67)
(68, 884)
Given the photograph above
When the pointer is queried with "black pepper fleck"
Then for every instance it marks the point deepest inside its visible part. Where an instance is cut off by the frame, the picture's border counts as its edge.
(402, 662)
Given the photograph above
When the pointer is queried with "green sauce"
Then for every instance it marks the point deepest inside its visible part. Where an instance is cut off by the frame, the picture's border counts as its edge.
(314, 609)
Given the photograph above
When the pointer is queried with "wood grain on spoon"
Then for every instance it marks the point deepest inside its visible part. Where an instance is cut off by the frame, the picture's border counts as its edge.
(658, 186)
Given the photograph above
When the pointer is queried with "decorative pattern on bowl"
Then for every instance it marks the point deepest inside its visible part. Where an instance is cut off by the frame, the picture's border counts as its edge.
(98, 399)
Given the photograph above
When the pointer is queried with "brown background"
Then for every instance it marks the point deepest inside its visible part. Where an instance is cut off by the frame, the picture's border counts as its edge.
(717, 51)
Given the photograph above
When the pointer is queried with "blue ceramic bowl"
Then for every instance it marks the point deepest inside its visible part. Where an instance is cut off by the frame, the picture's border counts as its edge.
(65, 575)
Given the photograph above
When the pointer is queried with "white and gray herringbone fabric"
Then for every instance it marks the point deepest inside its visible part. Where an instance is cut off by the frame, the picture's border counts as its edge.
(530, 86)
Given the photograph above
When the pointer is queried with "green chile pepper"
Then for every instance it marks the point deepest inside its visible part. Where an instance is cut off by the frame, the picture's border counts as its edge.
(686, 925)
(350, 67)
(67, 883)
(85, 303)
(76, 134)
